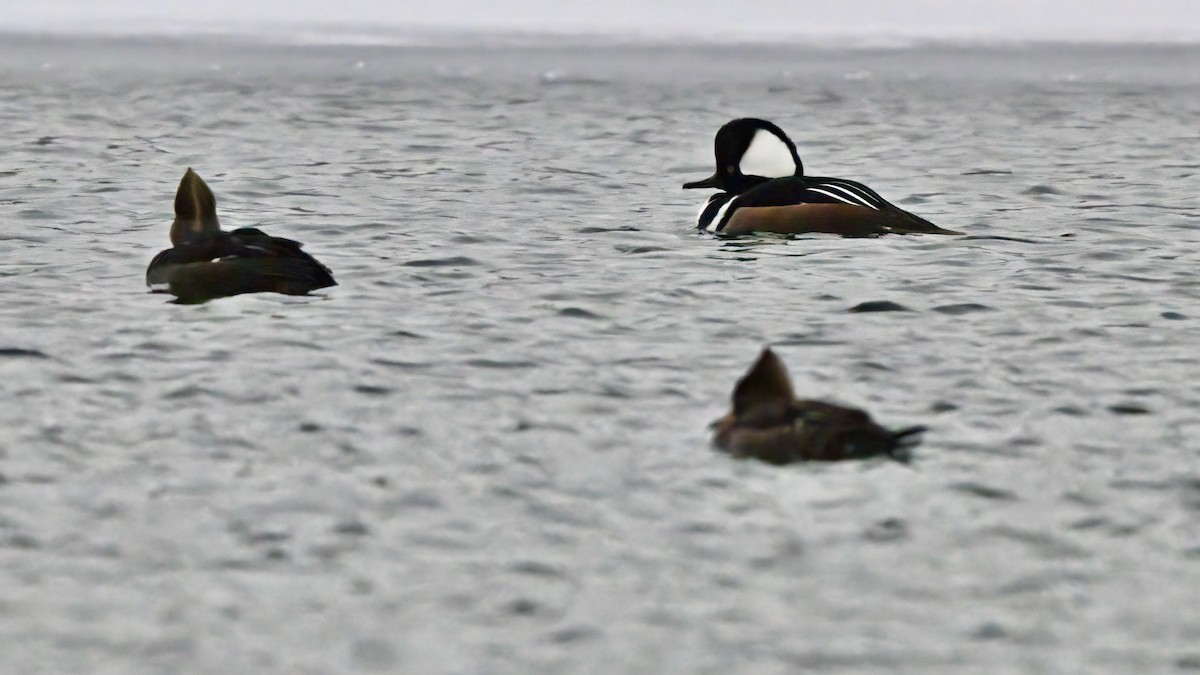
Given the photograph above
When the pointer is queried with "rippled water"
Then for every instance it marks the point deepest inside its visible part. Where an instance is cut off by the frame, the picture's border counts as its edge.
(485, 451)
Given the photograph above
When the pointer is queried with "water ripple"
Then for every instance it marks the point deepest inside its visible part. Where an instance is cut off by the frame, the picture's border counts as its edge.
(487, 451)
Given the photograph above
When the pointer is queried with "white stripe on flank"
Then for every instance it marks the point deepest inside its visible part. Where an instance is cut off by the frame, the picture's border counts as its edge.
(708, 204)
(839, 198)
(767, 156)
(859, 190)
(715, 224)
(855, 197)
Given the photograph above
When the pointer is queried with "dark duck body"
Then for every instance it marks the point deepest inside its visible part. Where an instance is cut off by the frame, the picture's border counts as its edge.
(764, 189)
(206, 262)
(769, 423)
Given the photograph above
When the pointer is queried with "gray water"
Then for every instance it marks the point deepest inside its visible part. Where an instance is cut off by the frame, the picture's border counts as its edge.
(486, 450)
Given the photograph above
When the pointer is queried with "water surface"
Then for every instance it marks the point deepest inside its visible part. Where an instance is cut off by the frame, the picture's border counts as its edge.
(485, 451)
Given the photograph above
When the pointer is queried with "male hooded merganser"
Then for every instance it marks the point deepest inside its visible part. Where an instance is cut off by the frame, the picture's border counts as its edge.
(207, 263)
(765, 190)
(768, 422)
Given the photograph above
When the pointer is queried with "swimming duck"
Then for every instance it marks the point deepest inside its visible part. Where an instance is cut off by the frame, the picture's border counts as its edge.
(207, 263)
(768, 422)
(764, 189)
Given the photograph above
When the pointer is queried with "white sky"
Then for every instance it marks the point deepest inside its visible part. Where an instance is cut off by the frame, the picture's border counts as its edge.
(706, 19)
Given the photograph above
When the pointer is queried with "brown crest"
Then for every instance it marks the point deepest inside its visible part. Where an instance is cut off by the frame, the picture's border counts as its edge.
(195, 210)
(766, 385)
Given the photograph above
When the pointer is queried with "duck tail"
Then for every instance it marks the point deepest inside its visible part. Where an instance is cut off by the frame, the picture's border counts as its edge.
(915, 224)
(903, 441)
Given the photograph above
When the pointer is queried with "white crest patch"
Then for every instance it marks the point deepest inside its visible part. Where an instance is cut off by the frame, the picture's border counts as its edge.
(767, 156)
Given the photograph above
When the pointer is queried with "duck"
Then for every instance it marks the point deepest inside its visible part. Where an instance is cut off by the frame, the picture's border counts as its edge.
(206, 262)
(769, 423)
(764, 189)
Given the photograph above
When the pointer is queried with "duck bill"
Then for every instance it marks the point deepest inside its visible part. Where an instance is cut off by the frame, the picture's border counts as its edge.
(713, 181)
